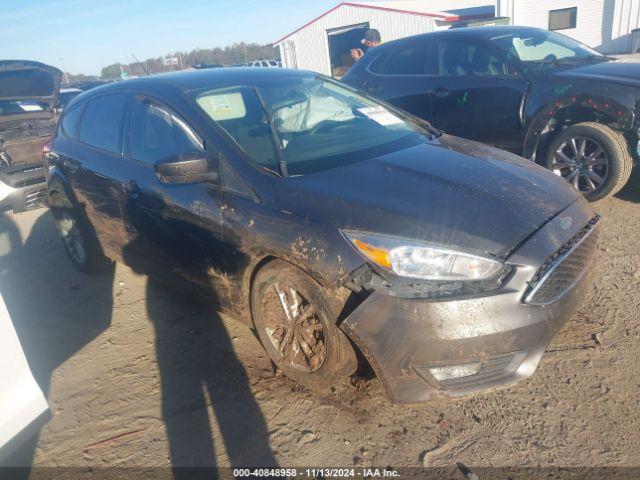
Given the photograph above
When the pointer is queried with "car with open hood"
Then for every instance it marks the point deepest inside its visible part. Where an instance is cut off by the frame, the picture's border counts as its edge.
(534, 92)
(337, 227)
(28, 95)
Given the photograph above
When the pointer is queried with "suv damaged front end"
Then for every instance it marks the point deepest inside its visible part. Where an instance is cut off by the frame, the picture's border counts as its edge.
(439, 339)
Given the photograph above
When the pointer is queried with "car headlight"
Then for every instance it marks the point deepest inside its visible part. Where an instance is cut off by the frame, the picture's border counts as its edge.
(414, 259)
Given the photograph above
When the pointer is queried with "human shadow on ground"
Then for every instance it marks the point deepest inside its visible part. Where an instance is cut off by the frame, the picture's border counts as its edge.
(40, 286)
(207, 403)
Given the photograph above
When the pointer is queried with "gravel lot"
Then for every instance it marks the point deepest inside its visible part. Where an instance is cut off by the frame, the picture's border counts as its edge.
(138, 375)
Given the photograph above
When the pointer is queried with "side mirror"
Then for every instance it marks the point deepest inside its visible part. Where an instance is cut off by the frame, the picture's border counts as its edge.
(188, 167)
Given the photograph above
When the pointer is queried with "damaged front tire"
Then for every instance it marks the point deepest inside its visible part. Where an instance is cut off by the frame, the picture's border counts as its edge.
(297, 328)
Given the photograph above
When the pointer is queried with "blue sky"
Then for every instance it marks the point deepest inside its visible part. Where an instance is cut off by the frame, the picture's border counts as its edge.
(89, 35)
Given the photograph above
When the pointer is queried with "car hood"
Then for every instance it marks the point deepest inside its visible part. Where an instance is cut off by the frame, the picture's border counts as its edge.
(29, 81)
(449, 191)
(614, 71)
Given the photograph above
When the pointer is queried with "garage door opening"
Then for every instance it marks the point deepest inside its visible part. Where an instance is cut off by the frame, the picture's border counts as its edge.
(341, 42)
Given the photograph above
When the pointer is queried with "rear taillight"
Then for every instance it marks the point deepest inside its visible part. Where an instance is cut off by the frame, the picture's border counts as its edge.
(46, 149)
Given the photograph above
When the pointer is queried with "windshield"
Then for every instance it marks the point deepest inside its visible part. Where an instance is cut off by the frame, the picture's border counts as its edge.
(540, 48)
(307, 124)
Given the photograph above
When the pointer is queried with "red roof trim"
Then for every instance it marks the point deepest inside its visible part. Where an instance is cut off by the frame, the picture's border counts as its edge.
(446, 18)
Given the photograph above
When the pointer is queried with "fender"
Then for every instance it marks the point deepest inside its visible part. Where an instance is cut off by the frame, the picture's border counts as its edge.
(567, 104)
(59, 189)
(314, 250)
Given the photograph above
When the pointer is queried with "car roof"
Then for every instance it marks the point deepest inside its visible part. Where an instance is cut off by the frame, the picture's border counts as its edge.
(190, 80)
(480, 31)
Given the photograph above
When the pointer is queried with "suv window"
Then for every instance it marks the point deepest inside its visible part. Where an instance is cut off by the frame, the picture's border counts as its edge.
(71, 121)
(461, 58)
(102, 122)
(405, 59)
(156, 133)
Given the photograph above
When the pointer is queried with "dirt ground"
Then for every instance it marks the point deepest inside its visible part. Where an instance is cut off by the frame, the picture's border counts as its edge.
(138, 375)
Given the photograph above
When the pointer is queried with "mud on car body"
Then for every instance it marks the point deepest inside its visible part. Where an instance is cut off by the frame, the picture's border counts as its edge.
(330, 223)
(536, 93)
(28, 93)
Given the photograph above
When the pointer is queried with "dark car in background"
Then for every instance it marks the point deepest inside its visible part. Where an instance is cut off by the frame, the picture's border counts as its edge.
(65, 96)
(28, 95)
(536, 93)
(328, 222)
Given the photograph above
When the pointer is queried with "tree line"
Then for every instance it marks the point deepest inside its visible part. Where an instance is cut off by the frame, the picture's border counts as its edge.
(237, 53)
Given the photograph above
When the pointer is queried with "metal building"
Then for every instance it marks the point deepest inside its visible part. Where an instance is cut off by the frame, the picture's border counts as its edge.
(606, 25)
(323, 44)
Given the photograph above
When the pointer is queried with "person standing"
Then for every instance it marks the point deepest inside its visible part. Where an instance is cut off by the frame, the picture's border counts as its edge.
(371, 39)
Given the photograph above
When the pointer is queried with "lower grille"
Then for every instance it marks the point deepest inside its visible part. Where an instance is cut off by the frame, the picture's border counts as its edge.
(35, 199)
(493, 368)
(564, 269)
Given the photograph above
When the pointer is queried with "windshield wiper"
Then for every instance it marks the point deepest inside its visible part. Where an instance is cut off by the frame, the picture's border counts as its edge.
(275, 136)
(570, 61)
(599, 58)
(270, 170)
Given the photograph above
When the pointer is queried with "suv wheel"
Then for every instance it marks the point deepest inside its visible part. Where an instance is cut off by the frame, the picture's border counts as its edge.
(594, 158)
(296, 328)
(83, 249)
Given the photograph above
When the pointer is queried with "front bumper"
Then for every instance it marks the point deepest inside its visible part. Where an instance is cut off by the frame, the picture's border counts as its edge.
(22, 188)
(505, 338)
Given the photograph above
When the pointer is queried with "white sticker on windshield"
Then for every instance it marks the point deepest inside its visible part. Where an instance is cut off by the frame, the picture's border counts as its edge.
(220, 103)
(381, 115)
(30, 107)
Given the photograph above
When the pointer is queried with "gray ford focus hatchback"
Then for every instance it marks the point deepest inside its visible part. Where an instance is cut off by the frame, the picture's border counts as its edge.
(338, 227)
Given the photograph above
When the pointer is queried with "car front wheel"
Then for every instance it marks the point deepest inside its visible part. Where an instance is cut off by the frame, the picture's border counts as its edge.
(594, 158)
(297, 329)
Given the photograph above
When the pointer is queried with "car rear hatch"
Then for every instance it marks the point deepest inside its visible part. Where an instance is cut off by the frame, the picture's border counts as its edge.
(29, 81)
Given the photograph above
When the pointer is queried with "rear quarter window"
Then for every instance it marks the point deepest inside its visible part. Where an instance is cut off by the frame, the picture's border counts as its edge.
(71, 121)
(103, 121)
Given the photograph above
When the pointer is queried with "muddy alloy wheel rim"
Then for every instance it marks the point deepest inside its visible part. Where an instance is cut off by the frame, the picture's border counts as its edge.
(294, 328)
(582, 162)
(72, 238)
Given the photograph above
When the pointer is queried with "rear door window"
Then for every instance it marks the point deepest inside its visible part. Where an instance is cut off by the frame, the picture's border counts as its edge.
(409, 58)
(459, 57)
(157, 133)
(103, 121)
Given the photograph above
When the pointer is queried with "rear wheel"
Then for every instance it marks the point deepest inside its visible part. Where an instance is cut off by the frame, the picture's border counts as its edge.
(297, 329)
(83, 249)
(594, 158)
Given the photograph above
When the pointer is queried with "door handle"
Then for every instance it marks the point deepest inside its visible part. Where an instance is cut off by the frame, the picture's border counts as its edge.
(374, 89)
(131, 188)
(441, 92)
